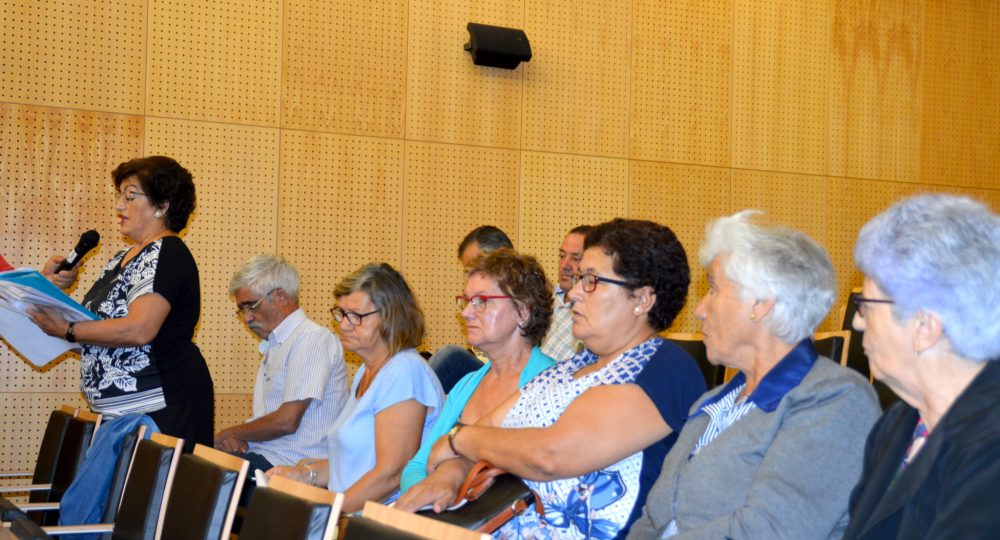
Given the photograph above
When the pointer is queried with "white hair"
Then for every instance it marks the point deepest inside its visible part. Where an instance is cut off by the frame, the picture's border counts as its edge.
(775, 263)
(264, 273)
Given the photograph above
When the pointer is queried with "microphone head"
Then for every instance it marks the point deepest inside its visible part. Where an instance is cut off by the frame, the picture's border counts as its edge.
(89, 240)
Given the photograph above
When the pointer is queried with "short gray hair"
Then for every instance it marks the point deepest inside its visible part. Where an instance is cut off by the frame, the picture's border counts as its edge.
(939, 253)
(776, 263)
(264, 273)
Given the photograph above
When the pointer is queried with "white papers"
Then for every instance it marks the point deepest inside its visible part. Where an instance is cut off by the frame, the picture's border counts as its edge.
(258, 476)
(22, 289)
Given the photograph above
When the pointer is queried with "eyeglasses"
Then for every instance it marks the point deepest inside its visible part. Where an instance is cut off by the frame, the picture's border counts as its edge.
(860, 301)
(128, 195)
(478, 301)
(339, 314)
(589, 282)
(247, 307)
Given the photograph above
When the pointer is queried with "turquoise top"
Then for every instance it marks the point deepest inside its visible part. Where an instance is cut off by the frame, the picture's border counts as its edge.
(416, 469)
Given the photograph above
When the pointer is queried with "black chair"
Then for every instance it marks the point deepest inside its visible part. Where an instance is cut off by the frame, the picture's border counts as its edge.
(856, 357)
(204, 495)
(75, 441)
(362, 528)
(48, 450)
(24, 528)
(833, 345)
(119, 475)
(291, 510)
(694, 344)
(138, 514)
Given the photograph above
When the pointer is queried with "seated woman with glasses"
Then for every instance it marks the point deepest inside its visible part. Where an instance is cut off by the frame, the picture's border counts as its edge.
(506, 305)
(931, 321)
(589, 434)
(775, 451)
(395, 397)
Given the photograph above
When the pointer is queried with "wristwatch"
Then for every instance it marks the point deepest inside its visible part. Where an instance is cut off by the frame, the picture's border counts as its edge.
(71, 333)
(451, 436)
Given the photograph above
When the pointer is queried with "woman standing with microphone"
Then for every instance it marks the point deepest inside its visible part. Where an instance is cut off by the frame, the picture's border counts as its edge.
(139, 357)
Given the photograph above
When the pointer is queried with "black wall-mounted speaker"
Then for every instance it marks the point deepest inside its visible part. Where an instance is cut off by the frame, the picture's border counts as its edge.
(496, 46)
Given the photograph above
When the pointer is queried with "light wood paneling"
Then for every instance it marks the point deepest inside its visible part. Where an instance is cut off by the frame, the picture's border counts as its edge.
(340, 208)
(448, 98)
(79, 54)
(684, 198)
(875, 89)
(235, 174)
(575, 89)
(682, 63)
(451, 190)
(560, 192)
(780, 78)
(215, 60)
(344, 67)
(23, 424)
(961, 94)
(55, 169)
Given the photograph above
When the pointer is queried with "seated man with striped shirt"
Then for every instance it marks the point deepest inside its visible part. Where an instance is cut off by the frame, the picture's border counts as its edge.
(302, 380)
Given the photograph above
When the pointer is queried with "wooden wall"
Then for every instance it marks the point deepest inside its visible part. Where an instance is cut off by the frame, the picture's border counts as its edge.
(338, 133)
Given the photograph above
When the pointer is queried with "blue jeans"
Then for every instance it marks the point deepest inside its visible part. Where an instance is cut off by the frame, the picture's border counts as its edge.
(450, 363)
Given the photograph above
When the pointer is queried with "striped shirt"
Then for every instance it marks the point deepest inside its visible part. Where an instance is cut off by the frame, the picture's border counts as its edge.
(302, 360)
(559, 342)
(723, 413)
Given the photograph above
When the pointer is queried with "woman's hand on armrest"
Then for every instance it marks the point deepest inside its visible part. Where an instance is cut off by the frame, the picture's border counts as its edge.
(438, 489)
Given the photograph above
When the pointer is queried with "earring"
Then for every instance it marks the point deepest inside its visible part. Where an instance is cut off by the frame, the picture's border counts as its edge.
(636, 310)
(157, 214)
(753, 316)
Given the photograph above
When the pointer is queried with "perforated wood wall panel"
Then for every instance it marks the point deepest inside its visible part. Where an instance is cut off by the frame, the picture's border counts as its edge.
(215, 60)
(341, 207)
(235, 173)
(961, 94)
(55, 169)
(22, 425)
(684, 198)
(449, 191)
(448, 98)
(874, 90)
(576, 87)
(780, 77)
(681, 81)
(80, 54)
(796, 201)
(560, 192)
(852, 203)
(344, 67)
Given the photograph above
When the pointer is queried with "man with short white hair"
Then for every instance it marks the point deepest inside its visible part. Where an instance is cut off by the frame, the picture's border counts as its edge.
(302, 381)
(559, 342)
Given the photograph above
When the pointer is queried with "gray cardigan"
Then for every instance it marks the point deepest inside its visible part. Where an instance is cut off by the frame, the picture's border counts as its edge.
(783, 474)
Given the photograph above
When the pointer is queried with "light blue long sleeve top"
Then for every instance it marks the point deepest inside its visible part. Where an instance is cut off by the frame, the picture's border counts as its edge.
(416, 469)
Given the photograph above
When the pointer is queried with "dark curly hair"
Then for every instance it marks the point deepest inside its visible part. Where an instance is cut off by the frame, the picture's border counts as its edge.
(646, 253)
(523, 278)
(163, 180)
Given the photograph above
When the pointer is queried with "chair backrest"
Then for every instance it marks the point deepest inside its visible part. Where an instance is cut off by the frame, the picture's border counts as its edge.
(147, 486)
(25, 529)
(833, 345)
(203, 497)
(52, 442)
(362, 528)
(76, 440)
(292, 511)
(421, 526)
(694, 344)
(120, 474)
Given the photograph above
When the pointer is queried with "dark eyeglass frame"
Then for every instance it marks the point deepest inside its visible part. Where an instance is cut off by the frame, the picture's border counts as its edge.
(128, 195)
(594, 279)
(244, 308)
(356, 319)
(860, 301)
(462, 301)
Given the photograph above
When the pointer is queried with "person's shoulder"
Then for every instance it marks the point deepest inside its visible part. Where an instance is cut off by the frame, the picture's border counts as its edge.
(671, 361)
(174, 249)
(407, 361)
(828, 380)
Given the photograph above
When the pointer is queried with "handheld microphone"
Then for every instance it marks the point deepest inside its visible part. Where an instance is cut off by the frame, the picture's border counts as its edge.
(88, 241)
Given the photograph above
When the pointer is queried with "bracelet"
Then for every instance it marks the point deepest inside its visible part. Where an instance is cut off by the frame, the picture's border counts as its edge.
(451, 437)
(70, 333)
(312, 474)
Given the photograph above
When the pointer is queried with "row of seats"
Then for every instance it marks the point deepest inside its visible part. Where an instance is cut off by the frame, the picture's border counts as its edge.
(156, 492)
